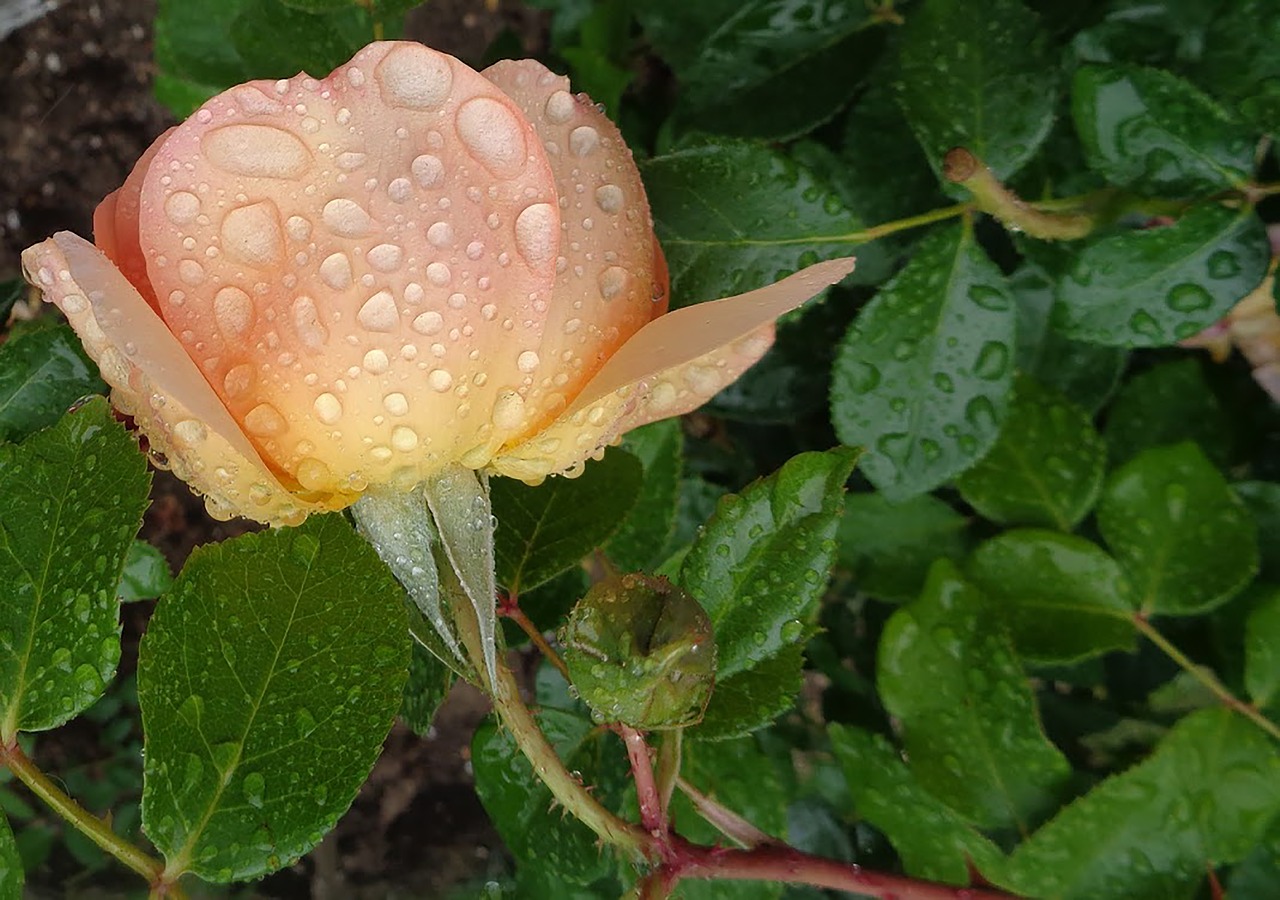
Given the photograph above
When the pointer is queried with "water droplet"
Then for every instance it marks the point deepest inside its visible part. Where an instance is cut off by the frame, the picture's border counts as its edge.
(609, 198)
(350, 160)
(258, 151)
(429, 322)
(346, 218)
(298, 228)
(264, 420)
(989, 298)
(313, 474)
(583, 140)
(1144, 324)
(335, 271)
(493, 135)
(375, 362)
(438, 274)
(440, 234)
(427, 170)
(233, 311)
(404, 438)
(379, 313)
(182, 207)
(612, 280)
(993, 360)
(414, 77)
(942, 381)
(251, 235)
(440, 380)
(328, 408)
(306, 322)
(536, 233)
(527, 362)
(1223, 264)
(560, 107)
(191, 272)
(1189, 298)
(399, 190)
(238, 380)
(253, 786)
(396, 404)
(385, 257)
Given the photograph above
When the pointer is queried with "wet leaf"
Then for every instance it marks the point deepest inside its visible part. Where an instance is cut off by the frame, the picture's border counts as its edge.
(268, 679)
(428, 684)
(1046, 467)
(1087, 374)
(923, 376)
(146, 573)
(194, 56)
(71, 501)
(968, 718)
(1262, 499)
(1239, 64)
(278, 42)
(1255, 878)
(754, 697)
(775, 68)
(1167, 404)
(11, 874)
(639, 541)
(978, 75)
(1154, 287)
(1150, 130)
(760, 565)
(1061, 596)
(1185, 541)
(42, 373)
(546, 529)
(1262, 650)
(540, 837)
(889, 546)
(1203, 799)
(11, 291)
(934, 841)
(734, 216)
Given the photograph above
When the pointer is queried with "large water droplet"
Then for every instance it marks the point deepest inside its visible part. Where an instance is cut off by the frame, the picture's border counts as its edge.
(182, 207)
(233, 311)
(251, 235)
(493, 134)
(536, 233)
(346, 218)
(379, 313)
(335, 271)
(259, 151)
(415, 77)
(328, 408)
(306, 322)
(264, 420)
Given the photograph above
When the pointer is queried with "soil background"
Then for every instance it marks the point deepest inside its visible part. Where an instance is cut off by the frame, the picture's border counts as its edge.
(76, 111)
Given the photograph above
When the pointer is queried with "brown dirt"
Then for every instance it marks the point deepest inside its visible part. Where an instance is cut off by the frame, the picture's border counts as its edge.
(75, 97)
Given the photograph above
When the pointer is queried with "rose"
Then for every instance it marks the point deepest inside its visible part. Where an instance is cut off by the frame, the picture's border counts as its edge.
(313, 288)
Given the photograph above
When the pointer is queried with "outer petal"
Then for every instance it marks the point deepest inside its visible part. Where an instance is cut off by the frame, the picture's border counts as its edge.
(115, 224)
(611, 278)
(671, 366)
(154, 381)
(359, 265)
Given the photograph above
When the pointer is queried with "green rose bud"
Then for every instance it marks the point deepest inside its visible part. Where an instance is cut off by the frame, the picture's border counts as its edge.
(641, 652)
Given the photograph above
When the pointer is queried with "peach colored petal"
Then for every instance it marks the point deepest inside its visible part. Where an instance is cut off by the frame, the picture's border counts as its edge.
(115, 224)
(154, 381)
(351, 264)
(671, 366)
(611, 277)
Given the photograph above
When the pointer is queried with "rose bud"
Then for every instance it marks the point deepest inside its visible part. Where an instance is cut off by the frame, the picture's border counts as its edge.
(641, 652)
(314, 288)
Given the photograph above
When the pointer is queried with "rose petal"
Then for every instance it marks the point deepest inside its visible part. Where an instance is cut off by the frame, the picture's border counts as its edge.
(115, 225)
(154, 381)
(345, 261)
(671, 366)
(611, 277)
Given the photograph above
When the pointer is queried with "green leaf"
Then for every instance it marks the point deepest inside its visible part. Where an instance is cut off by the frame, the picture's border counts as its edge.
(934, 841)
(1169, 403)
(923, 376)
(978, 75)
(541, 838)
(890, 546)
(194, 55)
(146, 574)
(777, 68)
(268, 679)
(1087, 374)
(1061, 596)
(1239, 64)
(11, 291)
(1157, 286)
(1262, 499)
(754, 697)
(11, 874)
(1262, 650)
(546, 529)
(1046, 467)
(42, 373)
(1183, 538)
(760, 565)
(1150, 130)
(428, 684)
(734, 216)
(968, 717)
(278, 42)
(71, 500)
(639, 541)
(1203, 799)
(1255, 878)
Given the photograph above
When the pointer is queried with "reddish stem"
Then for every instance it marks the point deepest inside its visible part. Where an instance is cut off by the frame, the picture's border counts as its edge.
(652, 816)
(774, 862)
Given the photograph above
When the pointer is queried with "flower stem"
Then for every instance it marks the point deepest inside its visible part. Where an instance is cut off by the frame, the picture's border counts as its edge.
(961, 167)
(876, 232)
(511, 610)
(1205, 676)
(667, 772)
(729, 823)
(92, 827)
(653, 814)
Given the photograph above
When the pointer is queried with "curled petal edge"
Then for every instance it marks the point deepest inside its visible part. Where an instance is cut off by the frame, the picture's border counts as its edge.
(669, 367)
(154, 381)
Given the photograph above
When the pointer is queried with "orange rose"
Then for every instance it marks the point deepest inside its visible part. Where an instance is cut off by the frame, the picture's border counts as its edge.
(311, 288)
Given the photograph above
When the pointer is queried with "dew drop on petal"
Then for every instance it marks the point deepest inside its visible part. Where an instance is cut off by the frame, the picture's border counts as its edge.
(264, 420)
(438, 274)
(182, 207)
(313, 475)
(251, 235)
(560, 107)
(258, 151)
(440, 380)
(233, 311)
(396, 404)
(191, 272)
(238, 380)
(493, 135)
(428, 323)
(440, 234)
(385, 257)
(376, 362)
(612, 281)
(414, 77)
(427, 170)
(536, 233)
(609, 198)
(399, 190)
(298, 228)
(527, 361)
(583, 139)
(306, 322)
(379, 313)
(346, 218)
(335, 271)
(328, 408)
(404, 438)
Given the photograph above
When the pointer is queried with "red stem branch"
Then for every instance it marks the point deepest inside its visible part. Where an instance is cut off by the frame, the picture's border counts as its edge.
(652, 814)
